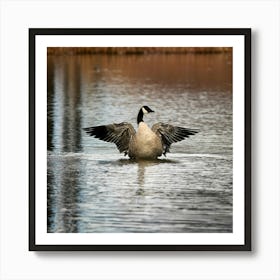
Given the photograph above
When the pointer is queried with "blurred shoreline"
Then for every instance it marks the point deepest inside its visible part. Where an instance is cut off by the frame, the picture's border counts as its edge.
(135, 50)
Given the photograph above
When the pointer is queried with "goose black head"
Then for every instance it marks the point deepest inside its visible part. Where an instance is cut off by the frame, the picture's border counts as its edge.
(147, 110)
(143, 110)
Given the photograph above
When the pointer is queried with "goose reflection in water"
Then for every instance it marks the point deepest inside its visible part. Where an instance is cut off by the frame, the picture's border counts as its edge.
(143, 166)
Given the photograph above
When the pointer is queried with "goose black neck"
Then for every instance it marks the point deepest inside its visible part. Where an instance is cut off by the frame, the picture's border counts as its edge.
(140, 116)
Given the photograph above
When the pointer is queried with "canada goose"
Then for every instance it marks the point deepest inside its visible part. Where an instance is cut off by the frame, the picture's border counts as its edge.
(146, 143)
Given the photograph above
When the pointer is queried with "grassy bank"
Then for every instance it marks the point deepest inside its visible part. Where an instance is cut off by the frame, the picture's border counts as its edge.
(135, 50)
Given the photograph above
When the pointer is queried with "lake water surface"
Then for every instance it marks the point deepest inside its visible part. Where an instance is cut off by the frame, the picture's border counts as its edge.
(94, 188)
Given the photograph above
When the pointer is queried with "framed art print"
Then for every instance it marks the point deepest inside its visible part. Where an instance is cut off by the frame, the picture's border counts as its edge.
(140, 139)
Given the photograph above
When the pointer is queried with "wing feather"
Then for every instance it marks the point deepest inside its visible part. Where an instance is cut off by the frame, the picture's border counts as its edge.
(171, 134)
(118, 133)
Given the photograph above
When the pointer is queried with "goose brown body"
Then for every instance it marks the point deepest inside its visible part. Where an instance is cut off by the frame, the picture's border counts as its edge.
(145, 144)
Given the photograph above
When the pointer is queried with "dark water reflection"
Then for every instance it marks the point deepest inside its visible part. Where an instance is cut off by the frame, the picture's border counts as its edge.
(93, 188)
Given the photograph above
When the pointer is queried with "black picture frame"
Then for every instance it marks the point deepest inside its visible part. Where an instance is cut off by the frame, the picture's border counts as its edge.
(246, 33)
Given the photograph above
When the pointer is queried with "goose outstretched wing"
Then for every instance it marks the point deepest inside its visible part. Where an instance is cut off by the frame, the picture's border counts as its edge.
(170, 134)
(118, 133)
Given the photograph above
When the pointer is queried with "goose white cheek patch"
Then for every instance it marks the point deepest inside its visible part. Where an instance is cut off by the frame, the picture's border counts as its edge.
(144, 111)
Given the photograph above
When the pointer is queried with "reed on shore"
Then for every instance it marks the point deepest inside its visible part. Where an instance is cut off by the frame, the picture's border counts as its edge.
(135, 50)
